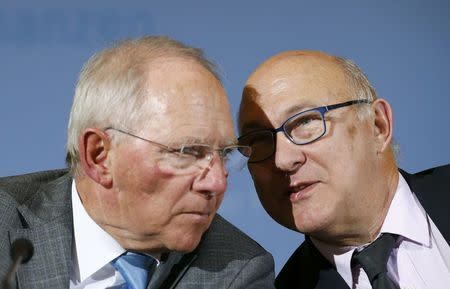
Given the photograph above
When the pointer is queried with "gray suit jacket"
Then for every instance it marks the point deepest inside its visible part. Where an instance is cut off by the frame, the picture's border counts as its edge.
(38, 207)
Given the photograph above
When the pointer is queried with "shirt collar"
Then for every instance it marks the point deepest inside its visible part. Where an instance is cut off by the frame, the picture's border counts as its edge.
(405, 217)
(339, 256)
(94, 247)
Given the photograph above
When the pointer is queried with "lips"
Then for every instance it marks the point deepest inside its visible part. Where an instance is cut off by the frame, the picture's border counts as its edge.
(197, 210)
(301, 190)
(197, 217)
(197, 213)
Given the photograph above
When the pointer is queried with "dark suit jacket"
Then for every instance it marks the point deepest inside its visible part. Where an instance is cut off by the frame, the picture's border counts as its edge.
(38, 207)
(308, 269)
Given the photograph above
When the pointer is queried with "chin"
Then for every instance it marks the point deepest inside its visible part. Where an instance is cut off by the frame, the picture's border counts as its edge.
(312, 227)
(186, 244)
(185, 241)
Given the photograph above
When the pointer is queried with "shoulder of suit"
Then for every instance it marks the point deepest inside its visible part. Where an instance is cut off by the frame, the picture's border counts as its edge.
(230, 239)
(304, 267)
(299, 270)
(433, 179)
(304, 253)
(441, 170)
(22, 187)
(432, 189)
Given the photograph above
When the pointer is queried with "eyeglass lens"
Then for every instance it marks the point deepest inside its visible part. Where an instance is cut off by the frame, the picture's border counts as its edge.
(193, 159)
(300, 129)
(305, 127)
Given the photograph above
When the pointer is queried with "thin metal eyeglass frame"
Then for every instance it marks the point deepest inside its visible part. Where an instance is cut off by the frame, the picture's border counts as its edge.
(220, 151)
(167, 148)
(321, 109)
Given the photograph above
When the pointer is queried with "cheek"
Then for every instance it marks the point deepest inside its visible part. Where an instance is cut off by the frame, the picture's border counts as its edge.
(160, 194)
(137, 175)
(334, 158)
(183, 232)
(346, 167)
(351, 131)
(352, 155)
(270, 187)
(218, 200)
(266, 180)
(149, 197)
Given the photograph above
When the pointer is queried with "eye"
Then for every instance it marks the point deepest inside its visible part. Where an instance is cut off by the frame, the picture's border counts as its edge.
(197, 151)
(305, 120)
(305, 126)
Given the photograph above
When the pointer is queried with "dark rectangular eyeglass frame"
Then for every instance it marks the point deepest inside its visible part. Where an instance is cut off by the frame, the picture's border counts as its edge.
(321, 109)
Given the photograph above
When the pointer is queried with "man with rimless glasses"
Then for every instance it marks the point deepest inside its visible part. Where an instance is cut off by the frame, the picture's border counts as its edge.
(323, 164)
(150, 145)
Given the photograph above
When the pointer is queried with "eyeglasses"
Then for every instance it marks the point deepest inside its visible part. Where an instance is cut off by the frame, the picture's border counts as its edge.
(302, 128)
(192, 158)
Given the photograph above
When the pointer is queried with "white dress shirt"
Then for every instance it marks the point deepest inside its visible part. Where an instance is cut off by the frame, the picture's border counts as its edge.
(93, 250)
(421, 257)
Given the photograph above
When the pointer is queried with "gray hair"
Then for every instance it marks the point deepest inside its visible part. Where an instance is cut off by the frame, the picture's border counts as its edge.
(359, 84)
(111, 86)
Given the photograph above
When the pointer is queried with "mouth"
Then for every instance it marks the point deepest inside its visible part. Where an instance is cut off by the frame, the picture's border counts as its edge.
(301, 191)
(198, 216)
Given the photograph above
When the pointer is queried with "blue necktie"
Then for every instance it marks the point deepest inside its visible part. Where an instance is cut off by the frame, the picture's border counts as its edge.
(134, 268)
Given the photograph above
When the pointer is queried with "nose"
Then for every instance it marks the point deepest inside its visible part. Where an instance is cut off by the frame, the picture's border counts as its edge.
(288, 156)
(213, 179)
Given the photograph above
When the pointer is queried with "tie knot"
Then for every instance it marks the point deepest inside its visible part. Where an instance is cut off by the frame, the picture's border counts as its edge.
(134, 268)
(373, 259)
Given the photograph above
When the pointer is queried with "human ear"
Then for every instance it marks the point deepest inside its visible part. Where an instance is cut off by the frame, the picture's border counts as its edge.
(94, 145)
(382, 123)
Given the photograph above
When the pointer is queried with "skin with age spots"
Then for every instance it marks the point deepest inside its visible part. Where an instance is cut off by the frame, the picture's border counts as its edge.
(338, 188)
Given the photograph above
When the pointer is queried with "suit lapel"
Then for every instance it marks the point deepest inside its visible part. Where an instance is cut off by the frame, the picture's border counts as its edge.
(326, 274)
(330, 279)
(432, 189)
(47, 223)
(308, 269)
(170, 271)
(50, 265)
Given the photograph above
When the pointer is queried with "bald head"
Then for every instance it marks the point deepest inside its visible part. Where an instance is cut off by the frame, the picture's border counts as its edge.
(315, 67)
(296, 55)
(273, 74)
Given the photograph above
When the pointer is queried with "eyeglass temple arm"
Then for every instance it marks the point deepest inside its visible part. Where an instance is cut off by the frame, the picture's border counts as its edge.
(347, 103)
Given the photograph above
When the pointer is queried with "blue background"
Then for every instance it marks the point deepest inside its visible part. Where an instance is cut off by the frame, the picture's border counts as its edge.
(403, 46)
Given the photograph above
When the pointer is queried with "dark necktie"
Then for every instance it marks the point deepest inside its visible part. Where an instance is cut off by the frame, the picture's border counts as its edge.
(373, 259)
(134, 268)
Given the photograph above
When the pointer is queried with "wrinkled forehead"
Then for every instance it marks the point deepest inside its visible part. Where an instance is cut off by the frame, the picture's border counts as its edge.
(172, 83)
(185, 100)
(286, 85)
